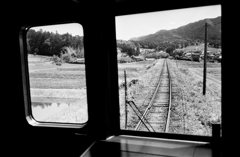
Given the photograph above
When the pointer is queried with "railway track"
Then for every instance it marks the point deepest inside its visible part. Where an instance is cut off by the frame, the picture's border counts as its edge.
(156, 117)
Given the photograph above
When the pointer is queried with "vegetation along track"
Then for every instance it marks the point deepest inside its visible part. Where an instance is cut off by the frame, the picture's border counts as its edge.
(157, 115)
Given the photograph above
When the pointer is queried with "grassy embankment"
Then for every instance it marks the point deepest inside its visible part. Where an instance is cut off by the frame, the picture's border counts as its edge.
(196, 111)
(141, 79)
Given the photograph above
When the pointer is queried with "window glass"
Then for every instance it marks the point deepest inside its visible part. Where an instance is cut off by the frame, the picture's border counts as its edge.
(57, 73)
(161, 70)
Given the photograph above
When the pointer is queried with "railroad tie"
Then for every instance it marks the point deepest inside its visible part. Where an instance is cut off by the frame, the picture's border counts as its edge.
(157, 122)
(163, 86)
(176, 119)
(163, 93)
(176, 126)
(156, 112)
(161, 104)
(158, 109)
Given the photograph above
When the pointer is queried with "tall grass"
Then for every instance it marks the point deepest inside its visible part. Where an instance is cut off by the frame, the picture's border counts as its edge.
(69, 50)
(68, 55)
(200, 111)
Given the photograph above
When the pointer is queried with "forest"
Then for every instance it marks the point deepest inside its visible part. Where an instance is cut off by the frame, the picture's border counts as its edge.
(47, 43)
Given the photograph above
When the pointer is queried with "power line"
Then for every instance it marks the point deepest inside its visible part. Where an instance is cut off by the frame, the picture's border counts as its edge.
(200, 33)
(217, 23)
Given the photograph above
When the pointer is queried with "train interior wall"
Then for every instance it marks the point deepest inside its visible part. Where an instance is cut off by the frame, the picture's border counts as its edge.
(20, 138)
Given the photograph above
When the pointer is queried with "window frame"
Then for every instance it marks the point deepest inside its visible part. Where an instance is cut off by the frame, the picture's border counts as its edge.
(141, 9)
(110, 116)
(26, 80)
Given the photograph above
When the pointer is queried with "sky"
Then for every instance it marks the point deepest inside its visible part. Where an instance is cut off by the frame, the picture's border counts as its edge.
(71, 28)
(136, 25)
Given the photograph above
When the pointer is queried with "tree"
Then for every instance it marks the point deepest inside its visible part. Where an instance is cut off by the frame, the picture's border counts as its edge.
(170, 50)
(137, 52)
(49, 44)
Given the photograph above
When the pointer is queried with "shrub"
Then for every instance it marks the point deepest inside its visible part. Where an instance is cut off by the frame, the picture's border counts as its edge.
(170, 50)
(66, 57)
(177, 52)
(128, 49)
(56, 60)
(69, 50)
(124, 59)
(163, 55)
(80, 52)
(157, 55)
(69, 54)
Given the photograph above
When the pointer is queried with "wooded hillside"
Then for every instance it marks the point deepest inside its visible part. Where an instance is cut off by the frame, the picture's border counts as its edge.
(49, 44)
(190, 32)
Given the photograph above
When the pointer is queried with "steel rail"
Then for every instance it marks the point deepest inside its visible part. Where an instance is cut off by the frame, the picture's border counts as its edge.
(153, 98)
(169, 100)
(141, 115)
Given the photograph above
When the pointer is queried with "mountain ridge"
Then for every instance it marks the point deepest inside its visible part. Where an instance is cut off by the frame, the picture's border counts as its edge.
(186, 32)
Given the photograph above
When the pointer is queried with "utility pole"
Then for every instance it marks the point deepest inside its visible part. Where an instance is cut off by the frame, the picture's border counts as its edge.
(210, 23)
(205, 61)
(125, 79)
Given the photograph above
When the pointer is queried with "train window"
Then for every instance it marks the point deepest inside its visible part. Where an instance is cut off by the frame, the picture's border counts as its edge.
(161, 61)
(56, 73)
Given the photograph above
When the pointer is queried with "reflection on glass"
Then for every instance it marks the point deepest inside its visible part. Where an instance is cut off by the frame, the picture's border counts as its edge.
(42, 110)
(163, 51)
(58, 112)
(57, 73)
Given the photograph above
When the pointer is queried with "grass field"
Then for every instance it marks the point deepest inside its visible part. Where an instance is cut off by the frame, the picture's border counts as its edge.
(45, 74)
(51, 84)
(201, 48)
